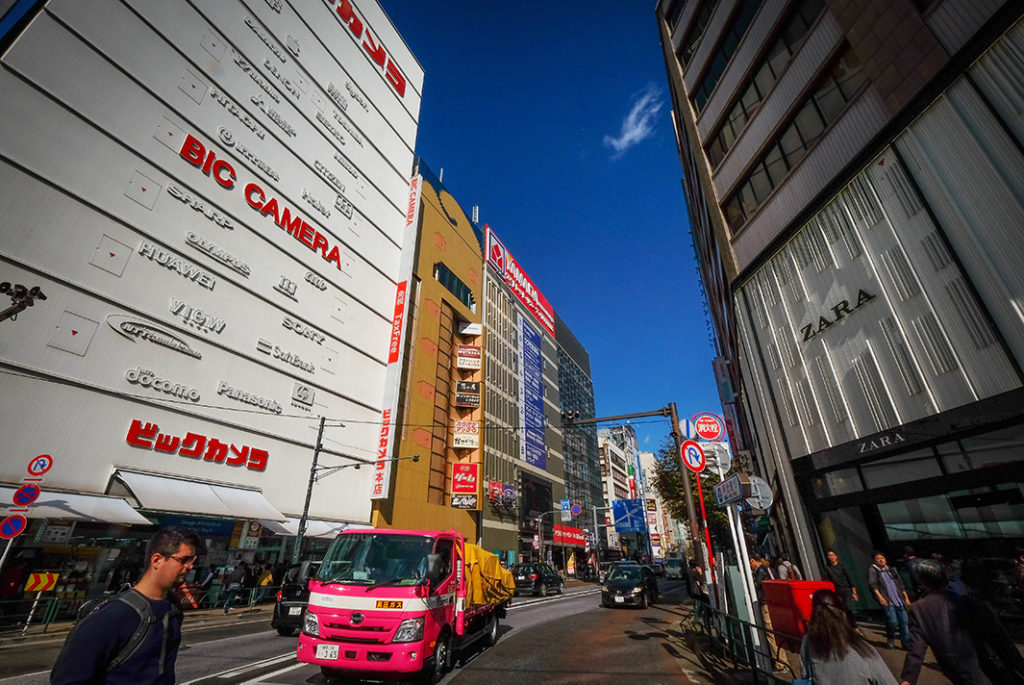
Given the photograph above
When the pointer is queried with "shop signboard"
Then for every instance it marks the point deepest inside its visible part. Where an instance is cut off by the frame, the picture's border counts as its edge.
(468, 357)
(465, 502)
(569, 535)
(470, 400)
(466, 434)
(502, 261)
(465, 479)
(494, 489)
(472, 387)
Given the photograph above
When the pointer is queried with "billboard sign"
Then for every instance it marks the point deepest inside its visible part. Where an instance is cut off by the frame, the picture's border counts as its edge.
(465, 479)
(531, 396)
(466, 434)
(468, 357)
(629, 516)
(518, 282)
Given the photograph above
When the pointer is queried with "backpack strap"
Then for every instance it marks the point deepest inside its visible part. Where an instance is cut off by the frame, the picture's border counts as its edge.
(137, 601)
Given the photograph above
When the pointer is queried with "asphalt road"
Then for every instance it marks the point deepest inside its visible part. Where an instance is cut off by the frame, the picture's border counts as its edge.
(564, 638)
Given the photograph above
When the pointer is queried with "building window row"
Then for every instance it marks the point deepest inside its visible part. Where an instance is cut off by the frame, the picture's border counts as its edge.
(727, 46)
(674, 12)
(455, 286)
(842, 81)
(766, 73)
(695, 35)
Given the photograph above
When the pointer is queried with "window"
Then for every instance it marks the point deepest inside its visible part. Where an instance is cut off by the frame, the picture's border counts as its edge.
(773, 63)
(726, 48)
(455, 286)
(674, 12)
(843, 80)
(696, 33)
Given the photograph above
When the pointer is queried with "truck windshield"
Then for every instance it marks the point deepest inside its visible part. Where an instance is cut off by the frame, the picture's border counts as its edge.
(376, 559)
(673, 563)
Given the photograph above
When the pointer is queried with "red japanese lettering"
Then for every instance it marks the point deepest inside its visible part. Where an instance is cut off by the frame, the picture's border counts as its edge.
(241, 455)
(167, 443)
(257, 459)
(141, 435)
(216, 451)
(192, 445)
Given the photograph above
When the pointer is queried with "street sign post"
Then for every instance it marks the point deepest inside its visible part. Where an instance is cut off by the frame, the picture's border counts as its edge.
(566, 510)
(693, 457)
(732, 489)
(761, 496)
(708, 426)
(576, 510)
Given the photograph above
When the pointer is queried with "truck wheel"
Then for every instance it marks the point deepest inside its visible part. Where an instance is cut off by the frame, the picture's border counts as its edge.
(492, 631)
(442, 660)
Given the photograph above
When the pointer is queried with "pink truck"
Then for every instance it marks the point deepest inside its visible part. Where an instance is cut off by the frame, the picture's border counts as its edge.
(394, 604)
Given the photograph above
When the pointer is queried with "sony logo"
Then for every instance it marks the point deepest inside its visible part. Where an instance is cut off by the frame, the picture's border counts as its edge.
(838, 312)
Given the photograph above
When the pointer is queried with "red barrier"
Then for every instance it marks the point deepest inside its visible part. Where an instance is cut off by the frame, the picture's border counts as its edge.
(789, 605)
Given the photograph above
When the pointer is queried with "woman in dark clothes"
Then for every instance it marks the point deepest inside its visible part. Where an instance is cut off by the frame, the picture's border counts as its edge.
(840, 577)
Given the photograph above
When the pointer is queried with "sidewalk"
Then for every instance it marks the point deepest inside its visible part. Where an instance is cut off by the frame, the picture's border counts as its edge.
(194, 618)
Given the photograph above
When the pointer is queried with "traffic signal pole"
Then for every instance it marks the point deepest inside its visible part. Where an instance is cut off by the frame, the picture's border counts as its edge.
(673, 416)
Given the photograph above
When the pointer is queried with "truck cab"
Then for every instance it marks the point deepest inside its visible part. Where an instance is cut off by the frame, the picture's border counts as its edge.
(392, 603)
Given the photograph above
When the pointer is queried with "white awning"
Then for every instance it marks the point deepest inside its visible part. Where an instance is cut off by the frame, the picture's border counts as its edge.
(73, 506)
(166, 493)
(315, 528)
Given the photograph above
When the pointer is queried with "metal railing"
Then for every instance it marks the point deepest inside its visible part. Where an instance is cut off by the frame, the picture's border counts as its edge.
(748, 646)
(18, 616)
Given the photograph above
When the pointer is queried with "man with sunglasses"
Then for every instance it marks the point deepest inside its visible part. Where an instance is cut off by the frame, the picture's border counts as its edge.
(133, 638)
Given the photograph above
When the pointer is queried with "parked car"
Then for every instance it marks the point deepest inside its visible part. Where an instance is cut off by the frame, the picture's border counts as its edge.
(629, 585)
(292, 598)
(536, 578)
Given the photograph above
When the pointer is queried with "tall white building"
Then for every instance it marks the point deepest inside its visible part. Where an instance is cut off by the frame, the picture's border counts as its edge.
(212, 198)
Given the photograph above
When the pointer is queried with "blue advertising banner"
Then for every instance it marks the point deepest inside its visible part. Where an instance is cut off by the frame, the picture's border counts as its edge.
(629, 515)
(531, 396)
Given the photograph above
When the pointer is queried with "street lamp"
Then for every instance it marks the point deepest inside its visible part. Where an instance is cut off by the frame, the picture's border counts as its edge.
(540, 531)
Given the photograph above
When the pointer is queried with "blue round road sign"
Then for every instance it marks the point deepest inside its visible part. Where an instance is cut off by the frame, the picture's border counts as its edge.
(26, 495)
(12, 526)
(693, 456)
(576, 510)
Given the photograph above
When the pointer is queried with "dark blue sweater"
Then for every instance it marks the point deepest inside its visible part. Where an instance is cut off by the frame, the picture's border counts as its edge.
(99, 637)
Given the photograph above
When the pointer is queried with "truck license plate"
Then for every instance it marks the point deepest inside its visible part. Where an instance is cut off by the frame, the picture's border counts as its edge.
(620, 599)
(327, 652)
(294, 611)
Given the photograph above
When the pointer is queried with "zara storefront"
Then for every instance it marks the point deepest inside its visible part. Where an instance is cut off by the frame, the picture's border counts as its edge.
(882, 345)
(212, 197)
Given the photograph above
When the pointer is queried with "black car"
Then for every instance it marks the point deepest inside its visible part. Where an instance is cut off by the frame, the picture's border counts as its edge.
(629, 585)
(293, 597)
(536, 578)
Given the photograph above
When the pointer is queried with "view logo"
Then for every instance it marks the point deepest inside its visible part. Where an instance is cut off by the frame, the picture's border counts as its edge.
(196, 317)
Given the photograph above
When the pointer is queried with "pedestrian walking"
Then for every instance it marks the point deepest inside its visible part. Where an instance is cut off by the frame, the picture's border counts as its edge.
(970, 644)
(833, 651)
(234, 582)
(787, 570)
(133, 638)
(762, 570)
(841, 579)
(908, 565)
(887, 587)
(264, 584)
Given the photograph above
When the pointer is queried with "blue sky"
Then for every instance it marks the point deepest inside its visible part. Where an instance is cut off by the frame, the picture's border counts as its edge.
(554, 118)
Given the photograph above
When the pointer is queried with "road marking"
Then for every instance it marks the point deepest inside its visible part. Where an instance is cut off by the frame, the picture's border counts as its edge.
(262, 678)
(235, 672)
(545, 600)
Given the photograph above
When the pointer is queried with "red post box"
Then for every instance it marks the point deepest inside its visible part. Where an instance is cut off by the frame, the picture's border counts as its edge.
(789, 605)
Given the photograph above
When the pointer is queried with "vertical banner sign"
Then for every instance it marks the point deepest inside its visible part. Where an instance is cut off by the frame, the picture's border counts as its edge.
(381, 483)
(531, 396)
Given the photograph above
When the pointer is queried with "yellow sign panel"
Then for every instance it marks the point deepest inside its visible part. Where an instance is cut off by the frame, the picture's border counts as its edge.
(389, 604)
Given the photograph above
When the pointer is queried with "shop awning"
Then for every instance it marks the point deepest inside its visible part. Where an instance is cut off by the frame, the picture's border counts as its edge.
(165, 493)
(315, 528)
(74, 507)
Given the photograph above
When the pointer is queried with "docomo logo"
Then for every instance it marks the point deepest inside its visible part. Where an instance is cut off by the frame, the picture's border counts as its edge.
(148, 379)
(196, 154)
(392, 73)
(708, 426)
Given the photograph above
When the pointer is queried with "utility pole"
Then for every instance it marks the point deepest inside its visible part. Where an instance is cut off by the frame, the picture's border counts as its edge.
(672, 415)
(297, 552)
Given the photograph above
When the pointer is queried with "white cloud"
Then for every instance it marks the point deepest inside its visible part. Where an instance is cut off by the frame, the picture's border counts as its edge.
(639, 123)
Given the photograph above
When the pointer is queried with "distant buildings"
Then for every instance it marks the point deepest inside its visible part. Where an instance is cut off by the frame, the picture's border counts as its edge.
(855, 186)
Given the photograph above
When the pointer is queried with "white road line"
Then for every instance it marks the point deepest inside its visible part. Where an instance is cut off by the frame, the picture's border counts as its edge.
(545, 600)
(263, 678)
(245, 669)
